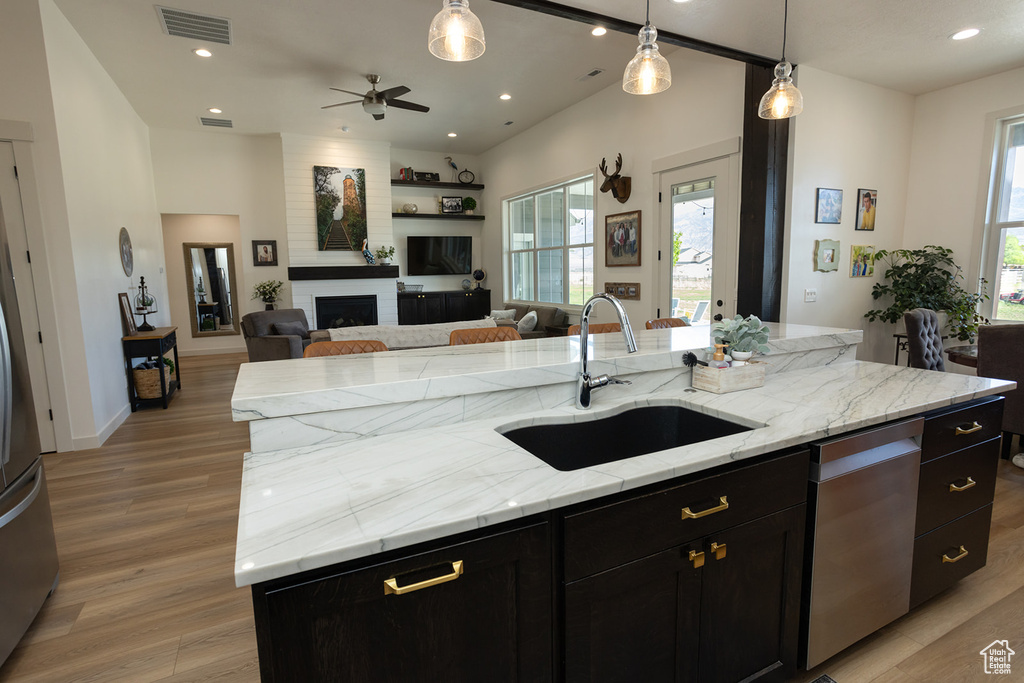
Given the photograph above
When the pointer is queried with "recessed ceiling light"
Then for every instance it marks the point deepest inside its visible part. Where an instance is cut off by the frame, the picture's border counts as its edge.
(202, 52)
(214, 110)
(453, 135)
(599, 31)
(505, 96)
(965, 34)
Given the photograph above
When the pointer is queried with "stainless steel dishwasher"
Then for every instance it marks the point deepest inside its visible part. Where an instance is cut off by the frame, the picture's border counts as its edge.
(862, 505)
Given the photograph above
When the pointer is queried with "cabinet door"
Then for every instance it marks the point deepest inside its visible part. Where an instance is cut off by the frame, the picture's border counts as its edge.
(479, 304)
(492, 623)
(456, 306)
(408, 312)
(431, 308)
(637, 622)
(750, 602)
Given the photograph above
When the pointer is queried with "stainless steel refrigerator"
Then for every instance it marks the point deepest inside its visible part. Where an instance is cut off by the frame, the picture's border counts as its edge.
(28, 553)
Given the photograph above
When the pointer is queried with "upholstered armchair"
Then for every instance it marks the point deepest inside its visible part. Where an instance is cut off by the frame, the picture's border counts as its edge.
(275, 335)
(924, 339)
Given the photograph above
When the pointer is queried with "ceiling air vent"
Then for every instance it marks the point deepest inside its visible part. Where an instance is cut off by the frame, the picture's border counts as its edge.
(216, 123)
(203, 27)
(508, 123)
(590, 74)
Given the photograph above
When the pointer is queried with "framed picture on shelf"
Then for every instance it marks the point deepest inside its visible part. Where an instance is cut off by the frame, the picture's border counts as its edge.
(127, 319)
(866, 200)
(862, 261)
(451, 204)
(828, 206)
(264, 252)
(622, 239)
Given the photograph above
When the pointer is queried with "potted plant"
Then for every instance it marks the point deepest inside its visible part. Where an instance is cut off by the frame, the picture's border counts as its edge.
(468, 204)
(745, 336)
(384, 255)
(267, 292)
(928, 278)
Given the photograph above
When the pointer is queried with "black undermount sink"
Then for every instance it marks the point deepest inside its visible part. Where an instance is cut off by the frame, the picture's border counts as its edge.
(573, 446)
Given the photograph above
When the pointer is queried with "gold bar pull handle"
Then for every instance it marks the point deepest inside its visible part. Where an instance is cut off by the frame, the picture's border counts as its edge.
(970, 430)
(970, 482)
(723, 504)
(719, 550)
(697, 558)
(962, 555)
(391, 585)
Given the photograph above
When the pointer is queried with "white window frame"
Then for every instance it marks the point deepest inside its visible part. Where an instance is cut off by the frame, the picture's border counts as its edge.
(565, 248)
(997, 196)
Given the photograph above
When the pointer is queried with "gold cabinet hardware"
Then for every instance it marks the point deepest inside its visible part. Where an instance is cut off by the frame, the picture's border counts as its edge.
(970, 482)
(970, 430)
(697, 559)
(723, 504)
(962, 555)
(391, 585)
(719, 550)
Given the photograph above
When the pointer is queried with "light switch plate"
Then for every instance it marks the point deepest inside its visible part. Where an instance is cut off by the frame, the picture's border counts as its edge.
(810, 295)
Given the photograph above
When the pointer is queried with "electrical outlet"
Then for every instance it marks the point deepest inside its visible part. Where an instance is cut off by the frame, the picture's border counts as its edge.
(810, 295)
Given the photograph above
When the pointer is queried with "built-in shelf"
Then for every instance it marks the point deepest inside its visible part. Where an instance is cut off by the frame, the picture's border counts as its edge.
(431, 183)
(440, 216)
(342, 272)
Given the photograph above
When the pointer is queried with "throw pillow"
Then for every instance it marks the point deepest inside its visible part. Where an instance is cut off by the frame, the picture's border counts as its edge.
(507, 314)
(528, 322)
(297, 328)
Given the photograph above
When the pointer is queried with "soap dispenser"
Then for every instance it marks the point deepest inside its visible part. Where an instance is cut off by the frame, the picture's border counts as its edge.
(718, 360)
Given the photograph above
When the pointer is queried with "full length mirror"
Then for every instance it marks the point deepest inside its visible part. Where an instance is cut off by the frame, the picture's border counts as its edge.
(210, 279)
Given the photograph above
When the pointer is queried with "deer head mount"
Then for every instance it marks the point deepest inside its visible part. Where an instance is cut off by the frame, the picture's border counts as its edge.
(620, 186)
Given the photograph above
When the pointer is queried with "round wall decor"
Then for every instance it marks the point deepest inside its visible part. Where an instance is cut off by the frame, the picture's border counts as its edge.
(125, 246)
(466, 177)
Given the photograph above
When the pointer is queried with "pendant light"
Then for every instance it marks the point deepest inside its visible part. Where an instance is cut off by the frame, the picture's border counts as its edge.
(648, 72)
(783, 99)
(456, 34)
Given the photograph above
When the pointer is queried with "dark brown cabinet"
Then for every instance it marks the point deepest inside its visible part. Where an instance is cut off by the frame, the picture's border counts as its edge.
(479, 610)
(421, 308)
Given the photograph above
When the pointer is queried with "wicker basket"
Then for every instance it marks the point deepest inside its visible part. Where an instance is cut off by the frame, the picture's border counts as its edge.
(147, 382)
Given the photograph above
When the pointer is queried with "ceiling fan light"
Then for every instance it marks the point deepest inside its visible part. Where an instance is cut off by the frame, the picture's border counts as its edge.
(648, 72)
(783, 100)
(456, 34)
(374, 106)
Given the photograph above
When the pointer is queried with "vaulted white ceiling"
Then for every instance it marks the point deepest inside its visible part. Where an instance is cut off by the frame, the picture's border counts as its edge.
(284, 57)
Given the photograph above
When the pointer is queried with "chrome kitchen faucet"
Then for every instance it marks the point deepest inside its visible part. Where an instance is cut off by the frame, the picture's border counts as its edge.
(584, 383)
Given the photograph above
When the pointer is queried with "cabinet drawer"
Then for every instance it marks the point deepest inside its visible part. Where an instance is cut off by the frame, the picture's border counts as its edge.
(956, 428)
(933, 569)
(972, 471)
(614, 534)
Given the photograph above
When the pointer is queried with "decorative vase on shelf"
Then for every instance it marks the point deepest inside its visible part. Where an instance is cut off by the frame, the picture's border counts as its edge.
(410, 208)
(270, 305)
(469, 212)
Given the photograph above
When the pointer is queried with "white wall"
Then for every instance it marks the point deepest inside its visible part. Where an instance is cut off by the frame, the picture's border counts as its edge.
(573, 141)
(850, 135)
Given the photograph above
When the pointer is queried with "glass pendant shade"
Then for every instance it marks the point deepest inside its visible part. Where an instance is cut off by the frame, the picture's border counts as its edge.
(456, 34)
(783, 99)
(648, 72)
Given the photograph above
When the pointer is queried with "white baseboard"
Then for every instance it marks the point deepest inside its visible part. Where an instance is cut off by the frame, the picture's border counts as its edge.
(210, 352)
(84, 443)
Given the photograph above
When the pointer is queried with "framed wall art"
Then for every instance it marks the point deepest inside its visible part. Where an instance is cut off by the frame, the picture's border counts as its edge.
(826, 255)
(622, 239)
(623, 290)
(264, 252)
(866, 200)
(451, 204)
(127, 317)
(862, 261)
(828, 206)
(340, 198)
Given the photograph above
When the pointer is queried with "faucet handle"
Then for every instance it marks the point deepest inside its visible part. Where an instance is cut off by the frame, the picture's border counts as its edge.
(616, 380)
(605, 380)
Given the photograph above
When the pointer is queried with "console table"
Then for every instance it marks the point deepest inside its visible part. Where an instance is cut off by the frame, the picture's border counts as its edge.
(152, 344)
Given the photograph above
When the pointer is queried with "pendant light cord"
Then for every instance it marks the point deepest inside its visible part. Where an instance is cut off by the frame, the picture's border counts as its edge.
(785, 25)
(648, 22)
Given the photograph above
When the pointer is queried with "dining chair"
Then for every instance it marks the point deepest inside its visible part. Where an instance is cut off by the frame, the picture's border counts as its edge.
(924, 339)
(343, 348)
(483, 335)
(1001, 356)
(596, 328)
(665, 323)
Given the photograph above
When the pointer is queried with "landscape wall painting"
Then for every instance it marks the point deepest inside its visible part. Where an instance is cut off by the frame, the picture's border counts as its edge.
(340, 195)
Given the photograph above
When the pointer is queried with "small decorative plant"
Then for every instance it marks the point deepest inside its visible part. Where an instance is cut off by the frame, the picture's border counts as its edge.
(928, 278)
(468, 204)
(267, 291)
(742, 334)
(384, 253)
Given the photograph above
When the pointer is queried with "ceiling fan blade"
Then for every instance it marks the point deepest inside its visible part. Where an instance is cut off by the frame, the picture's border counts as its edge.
(342, 104)
(349, 92)
(378, 117)
(397, 91)
(412, 106)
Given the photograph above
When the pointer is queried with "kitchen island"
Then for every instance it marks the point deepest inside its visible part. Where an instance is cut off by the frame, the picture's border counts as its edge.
(400, 450)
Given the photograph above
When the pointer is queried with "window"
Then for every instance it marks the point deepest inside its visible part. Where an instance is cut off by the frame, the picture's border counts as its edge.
(550, 244)
(1006, 225)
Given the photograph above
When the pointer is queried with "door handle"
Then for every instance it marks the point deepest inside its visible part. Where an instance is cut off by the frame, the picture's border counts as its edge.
(970, 482)
(963, 553)
(697, 558)
(391, 585)
(719, 550)
(13, 513)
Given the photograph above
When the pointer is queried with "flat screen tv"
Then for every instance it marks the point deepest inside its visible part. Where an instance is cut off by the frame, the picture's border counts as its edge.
(439, 255)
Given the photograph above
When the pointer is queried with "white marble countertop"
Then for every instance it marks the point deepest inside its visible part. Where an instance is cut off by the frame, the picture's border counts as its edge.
(311, 385)
(311, 507)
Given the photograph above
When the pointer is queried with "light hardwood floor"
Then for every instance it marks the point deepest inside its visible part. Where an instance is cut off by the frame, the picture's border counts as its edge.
(146, 531)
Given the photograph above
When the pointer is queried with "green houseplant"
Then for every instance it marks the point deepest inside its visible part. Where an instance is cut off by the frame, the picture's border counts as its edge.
(746, 335)
(384, 255)
(267, 292)
(468, 205)
(928, 278)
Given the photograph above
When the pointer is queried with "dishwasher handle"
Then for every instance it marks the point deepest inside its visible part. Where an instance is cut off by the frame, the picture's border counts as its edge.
(843, 446)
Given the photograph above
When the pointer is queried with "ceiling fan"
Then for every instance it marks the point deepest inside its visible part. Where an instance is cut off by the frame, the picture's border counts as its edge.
(377, 103)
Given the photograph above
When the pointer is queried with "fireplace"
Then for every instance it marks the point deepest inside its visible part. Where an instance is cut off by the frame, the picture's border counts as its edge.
(346, 311)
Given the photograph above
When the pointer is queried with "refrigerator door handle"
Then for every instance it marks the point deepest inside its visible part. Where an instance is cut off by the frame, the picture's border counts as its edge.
(7, 388)
(13, 513)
